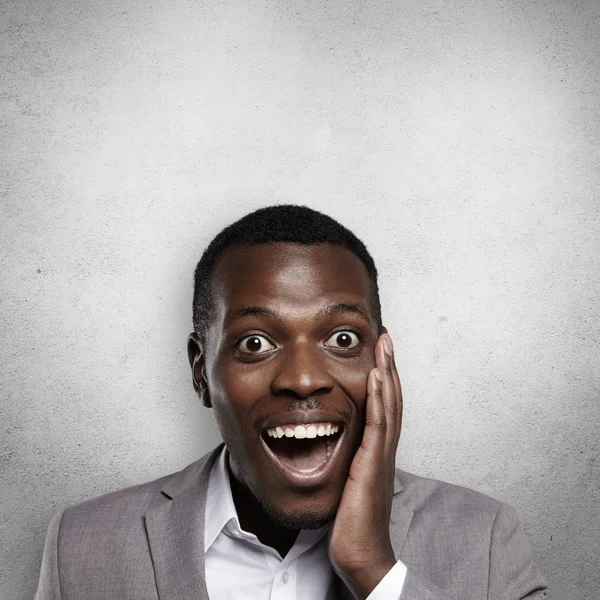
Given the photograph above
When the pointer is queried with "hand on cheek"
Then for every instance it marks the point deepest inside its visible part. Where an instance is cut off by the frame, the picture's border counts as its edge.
(360, 549)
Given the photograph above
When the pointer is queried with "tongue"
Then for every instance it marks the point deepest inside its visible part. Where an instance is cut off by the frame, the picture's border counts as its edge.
(301, 455)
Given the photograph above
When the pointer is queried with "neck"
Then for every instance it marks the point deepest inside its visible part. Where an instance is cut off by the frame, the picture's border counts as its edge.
(254, 519)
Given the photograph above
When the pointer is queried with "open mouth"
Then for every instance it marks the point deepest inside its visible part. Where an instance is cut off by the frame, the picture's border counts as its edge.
(303, 451)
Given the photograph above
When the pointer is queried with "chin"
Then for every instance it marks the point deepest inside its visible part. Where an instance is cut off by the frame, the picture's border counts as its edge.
(303, 518)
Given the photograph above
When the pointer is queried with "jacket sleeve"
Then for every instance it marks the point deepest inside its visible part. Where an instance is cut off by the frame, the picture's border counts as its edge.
(49, 584)
(513, 573)
(419, 588)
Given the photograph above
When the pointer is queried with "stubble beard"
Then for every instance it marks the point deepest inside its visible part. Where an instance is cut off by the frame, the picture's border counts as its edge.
(307, 520)
(285, 520)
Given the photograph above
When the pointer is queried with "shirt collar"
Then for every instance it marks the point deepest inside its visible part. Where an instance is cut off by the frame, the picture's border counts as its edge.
(220, 509)
(219, 501)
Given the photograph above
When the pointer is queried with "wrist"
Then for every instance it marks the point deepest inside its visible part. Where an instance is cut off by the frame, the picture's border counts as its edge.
(363, 578)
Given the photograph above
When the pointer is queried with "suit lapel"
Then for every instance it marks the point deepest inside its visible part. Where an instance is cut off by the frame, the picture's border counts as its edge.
(401, 517)
(175, 529)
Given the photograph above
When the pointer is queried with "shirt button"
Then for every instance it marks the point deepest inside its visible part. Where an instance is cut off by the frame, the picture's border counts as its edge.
(285, 578)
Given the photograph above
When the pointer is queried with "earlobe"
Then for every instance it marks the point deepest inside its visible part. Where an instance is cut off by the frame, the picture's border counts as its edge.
(198, 366)
(203, 392)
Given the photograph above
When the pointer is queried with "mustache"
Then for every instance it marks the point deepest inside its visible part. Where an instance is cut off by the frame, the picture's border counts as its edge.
(309, 403)
(314, 403)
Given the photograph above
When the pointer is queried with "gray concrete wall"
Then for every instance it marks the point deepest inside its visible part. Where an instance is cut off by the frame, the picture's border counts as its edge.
(459, 139)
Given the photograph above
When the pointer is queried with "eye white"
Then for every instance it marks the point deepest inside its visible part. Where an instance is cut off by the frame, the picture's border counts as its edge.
(340, 339)
(249, 344)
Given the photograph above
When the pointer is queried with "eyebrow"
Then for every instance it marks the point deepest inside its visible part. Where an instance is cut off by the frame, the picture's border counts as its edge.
(261, 311)
(251, 311)
(342, 307)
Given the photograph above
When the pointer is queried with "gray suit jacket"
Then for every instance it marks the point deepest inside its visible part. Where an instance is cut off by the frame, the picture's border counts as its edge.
(146, 543)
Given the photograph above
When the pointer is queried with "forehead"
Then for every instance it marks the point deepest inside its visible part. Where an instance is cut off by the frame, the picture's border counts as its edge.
(290, 275)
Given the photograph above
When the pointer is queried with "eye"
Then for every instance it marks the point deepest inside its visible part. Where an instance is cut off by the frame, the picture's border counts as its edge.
(344, 339)
(254, 344)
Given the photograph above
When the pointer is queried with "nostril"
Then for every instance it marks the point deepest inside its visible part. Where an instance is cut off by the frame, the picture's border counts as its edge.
(302, 378)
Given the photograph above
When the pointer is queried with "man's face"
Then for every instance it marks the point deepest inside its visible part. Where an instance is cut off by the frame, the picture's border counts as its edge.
(285, 367)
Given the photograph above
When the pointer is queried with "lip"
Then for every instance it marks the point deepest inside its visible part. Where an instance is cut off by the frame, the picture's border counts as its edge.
(316, 478)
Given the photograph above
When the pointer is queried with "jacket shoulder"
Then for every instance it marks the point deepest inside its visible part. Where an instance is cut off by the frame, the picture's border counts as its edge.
(133, 502)
(426, 494)
(136, 497)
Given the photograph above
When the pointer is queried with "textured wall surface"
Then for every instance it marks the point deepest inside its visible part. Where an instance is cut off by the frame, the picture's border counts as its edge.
(460, 139)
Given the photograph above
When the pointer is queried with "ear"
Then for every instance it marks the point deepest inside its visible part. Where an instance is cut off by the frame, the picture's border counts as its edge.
(196, 356)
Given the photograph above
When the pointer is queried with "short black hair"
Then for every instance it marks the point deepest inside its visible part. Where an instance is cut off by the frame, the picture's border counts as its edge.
(289, 223)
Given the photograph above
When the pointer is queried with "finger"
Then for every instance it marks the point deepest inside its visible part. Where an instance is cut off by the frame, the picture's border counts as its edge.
(399, 399)
(389, 393)
(398, 393)
(374, 435)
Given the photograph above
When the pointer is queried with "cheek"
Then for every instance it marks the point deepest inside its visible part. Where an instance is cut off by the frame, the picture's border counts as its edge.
(353, 379)
(251, 379)
(235, 389)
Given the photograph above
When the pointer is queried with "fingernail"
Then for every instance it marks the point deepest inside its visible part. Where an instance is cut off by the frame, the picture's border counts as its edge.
(387, 344)
(378, 374)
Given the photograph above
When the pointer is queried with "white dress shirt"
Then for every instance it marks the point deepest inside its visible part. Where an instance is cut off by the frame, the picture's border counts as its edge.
(239, 567)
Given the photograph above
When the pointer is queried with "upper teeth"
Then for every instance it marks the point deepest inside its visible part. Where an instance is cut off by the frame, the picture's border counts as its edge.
(303, 431)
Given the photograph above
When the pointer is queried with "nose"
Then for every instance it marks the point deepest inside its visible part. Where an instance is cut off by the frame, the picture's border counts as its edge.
(302, 372)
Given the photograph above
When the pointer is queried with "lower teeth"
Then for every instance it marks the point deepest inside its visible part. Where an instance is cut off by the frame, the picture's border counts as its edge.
(307, 470)
(330, 447)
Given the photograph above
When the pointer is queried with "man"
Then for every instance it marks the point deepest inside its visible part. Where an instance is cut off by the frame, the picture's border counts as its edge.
(303, 499)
